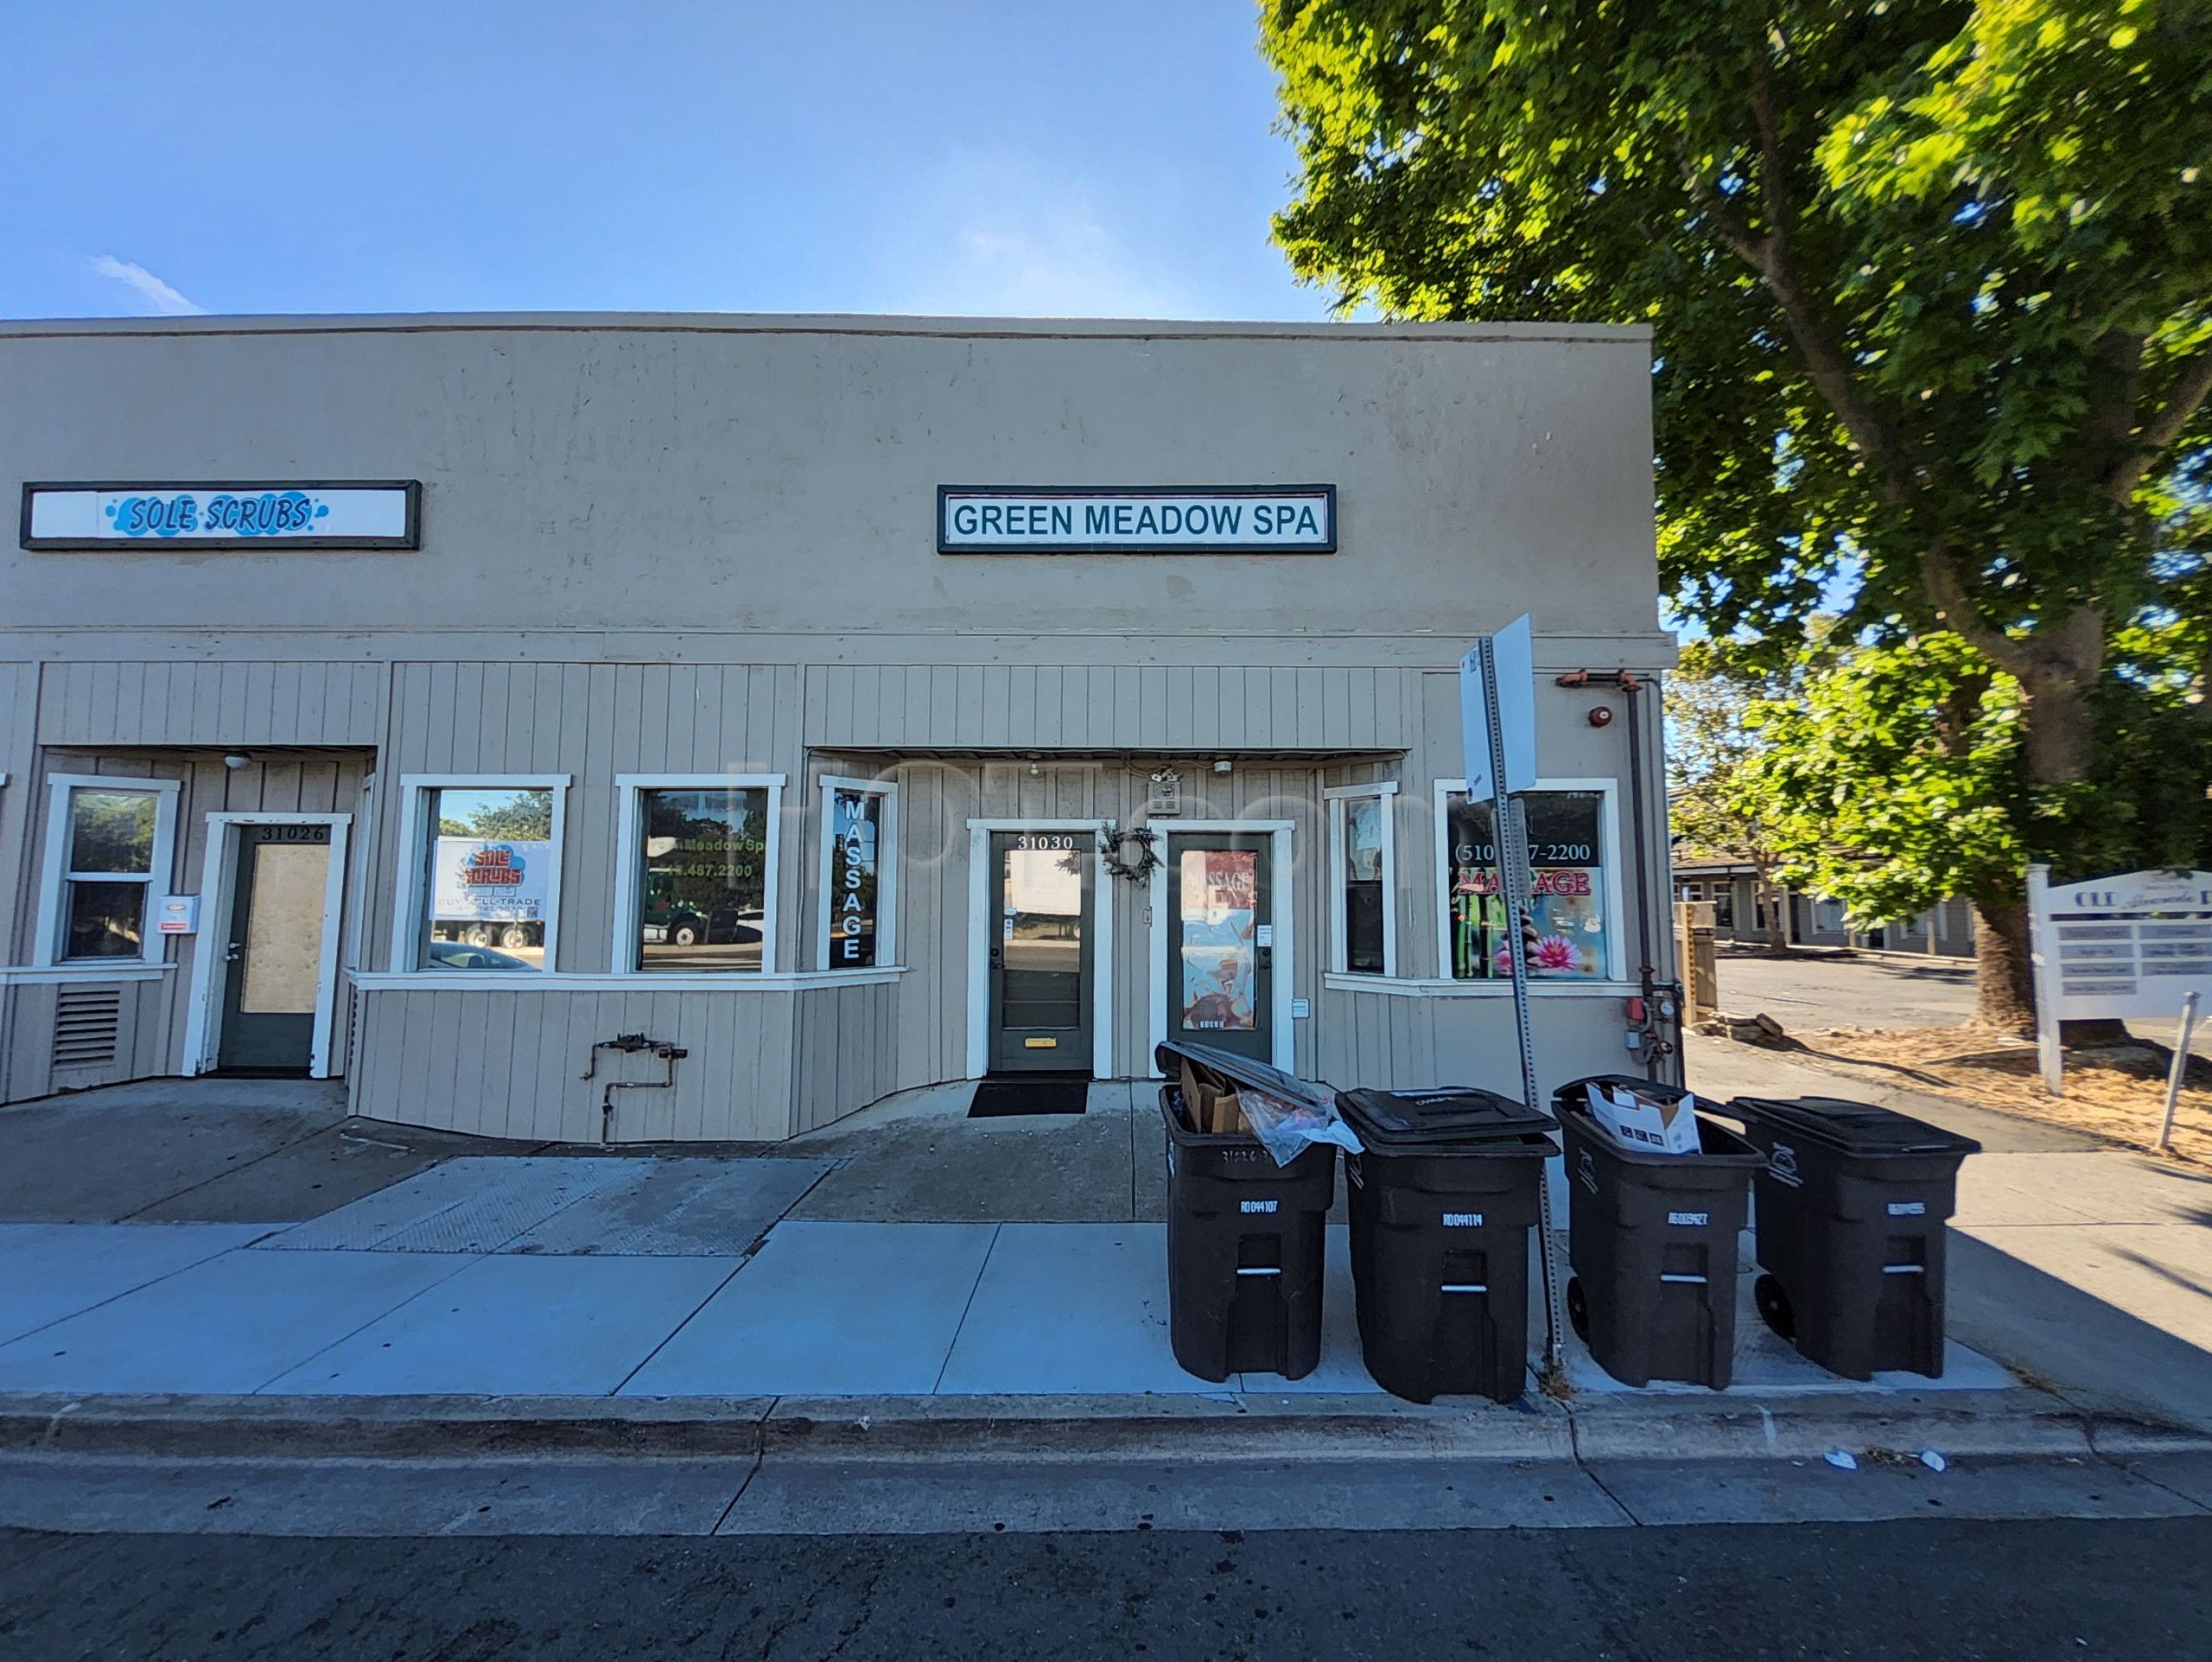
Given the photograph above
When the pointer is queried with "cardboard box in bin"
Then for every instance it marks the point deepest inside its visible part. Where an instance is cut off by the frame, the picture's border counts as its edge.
(1635, 1121)
(1211, 1110)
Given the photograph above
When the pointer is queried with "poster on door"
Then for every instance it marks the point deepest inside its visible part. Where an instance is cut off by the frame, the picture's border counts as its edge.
(1219, 898)
(490, 881)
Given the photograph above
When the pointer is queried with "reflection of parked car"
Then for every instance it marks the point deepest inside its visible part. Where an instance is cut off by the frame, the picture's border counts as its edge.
(456, 955)
(512, 936)
(662, 920)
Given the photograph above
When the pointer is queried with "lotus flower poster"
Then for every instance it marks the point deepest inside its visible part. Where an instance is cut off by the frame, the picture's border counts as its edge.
(1567, 906)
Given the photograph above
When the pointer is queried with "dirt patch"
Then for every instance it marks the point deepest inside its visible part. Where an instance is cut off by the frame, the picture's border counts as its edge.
(2115, 1094)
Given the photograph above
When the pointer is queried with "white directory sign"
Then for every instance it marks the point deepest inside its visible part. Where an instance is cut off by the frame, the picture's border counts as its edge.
(490, 880)
(2135, 944)
(1141, 520)
(378, 514)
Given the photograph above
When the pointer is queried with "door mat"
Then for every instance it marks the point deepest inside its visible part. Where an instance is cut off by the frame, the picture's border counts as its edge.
(1002, 1098)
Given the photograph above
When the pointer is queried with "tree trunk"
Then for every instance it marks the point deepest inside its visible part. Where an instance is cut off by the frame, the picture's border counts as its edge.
(2004, 973)
(2005, 990)
(2059, 732)
(2059, 738)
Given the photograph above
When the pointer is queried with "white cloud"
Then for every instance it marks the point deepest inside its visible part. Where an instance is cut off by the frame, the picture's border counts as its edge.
(159, 299)
(990, 236)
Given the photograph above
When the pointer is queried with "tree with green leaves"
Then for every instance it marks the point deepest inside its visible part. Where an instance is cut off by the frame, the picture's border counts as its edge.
(1719, 806)
(1932, 292)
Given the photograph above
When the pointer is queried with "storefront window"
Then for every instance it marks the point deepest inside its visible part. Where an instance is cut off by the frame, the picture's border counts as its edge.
(490, 882)
(1567, 856)
(110, 873)
(703, 878)
(856, 917)
(1365, 883)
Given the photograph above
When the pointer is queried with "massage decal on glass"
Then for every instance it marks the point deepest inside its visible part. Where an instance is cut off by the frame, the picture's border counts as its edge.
(1567, 908)
(858, 828)
(1219, 890)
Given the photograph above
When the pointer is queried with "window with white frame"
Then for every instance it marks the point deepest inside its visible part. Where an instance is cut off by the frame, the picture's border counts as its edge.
(1364, 879)
(858, 921)
(483, 867)
(1573, 907)
(108, 854)
(697, 893)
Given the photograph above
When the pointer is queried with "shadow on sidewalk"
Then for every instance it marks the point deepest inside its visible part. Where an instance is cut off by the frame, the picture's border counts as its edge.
(2060, 1336)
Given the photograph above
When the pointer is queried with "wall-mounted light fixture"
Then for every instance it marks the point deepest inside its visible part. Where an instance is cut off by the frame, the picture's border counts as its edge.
(236, 760)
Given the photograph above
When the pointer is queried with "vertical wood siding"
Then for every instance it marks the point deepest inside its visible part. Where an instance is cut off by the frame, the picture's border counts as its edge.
(594, 721)
(494, 1063)
(201, 704)
(1150, 707)
(19, 761)
(768, 1063)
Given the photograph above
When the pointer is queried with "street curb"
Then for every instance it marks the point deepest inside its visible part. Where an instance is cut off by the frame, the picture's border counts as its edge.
(1225, 1426)
(1190, 1429)
(378, 1427)
(1986, 1423)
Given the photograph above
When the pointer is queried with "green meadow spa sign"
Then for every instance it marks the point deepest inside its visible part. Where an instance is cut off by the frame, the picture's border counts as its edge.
(1138, 519)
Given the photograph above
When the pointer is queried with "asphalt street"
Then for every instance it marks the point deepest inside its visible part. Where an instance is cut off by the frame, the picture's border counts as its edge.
(1936, 1588)
(1810, 990)
(1848, 992)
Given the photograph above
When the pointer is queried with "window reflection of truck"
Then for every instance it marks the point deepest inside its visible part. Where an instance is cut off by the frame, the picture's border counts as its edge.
(663, 919)
(491, 932)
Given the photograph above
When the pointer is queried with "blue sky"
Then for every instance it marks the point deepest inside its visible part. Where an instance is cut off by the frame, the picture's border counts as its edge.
(946, 155)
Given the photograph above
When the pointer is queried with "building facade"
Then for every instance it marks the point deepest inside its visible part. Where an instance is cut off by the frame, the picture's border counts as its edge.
(847, 704)
(1744, 909)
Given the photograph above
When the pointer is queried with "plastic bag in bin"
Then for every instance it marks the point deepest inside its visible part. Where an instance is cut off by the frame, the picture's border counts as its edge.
(1287, 1129)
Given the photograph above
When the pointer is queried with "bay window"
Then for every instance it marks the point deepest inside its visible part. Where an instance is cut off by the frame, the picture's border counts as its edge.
(480, 872)
(696, 892)
(1572, 906)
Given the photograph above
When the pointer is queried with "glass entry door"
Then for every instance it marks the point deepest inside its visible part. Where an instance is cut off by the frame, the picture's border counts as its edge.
(273, 958)
(1221, 942)
(1040, 963)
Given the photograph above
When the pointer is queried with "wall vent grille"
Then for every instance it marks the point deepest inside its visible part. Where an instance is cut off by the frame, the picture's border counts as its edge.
(87, 1026)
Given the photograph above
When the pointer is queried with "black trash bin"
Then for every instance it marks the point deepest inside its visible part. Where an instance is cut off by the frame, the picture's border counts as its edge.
(1244, 1235)
(1652, 1238)
(1853, 1201)
(1441, 1204)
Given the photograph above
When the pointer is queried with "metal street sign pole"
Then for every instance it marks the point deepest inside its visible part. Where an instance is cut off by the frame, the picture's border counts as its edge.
(1511, 816)
(2180, 1068)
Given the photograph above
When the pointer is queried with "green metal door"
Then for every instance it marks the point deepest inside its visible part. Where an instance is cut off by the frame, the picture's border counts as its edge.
(1041, 952)
(273, 949)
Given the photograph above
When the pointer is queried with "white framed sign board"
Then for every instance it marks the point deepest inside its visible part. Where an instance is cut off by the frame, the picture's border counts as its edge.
(2133, 945)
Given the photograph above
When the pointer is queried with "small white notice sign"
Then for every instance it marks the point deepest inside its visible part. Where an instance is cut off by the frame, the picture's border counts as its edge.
(2131, 946)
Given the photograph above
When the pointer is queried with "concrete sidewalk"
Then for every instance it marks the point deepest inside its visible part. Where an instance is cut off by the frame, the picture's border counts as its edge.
(911, 1256)
(2083, 1266)
(823, 1310)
